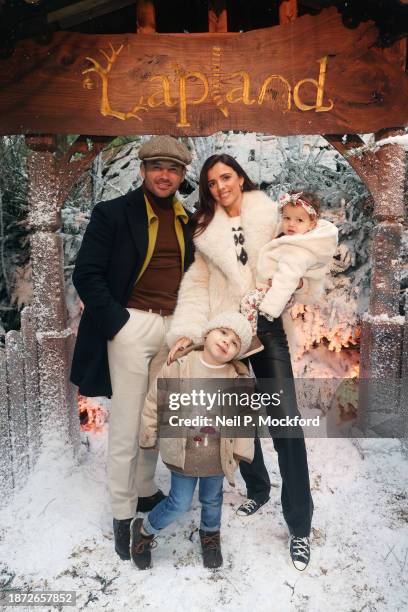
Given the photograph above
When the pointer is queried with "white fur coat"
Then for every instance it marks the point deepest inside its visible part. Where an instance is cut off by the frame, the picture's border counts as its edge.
(288, 259)
(214, 283)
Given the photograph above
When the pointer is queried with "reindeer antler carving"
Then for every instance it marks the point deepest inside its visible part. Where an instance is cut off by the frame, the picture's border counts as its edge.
(105, 108)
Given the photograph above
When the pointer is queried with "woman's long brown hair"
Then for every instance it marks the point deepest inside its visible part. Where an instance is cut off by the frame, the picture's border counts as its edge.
(206, 209)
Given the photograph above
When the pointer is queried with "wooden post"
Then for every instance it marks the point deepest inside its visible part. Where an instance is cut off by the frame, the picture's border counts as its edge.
(381, 355)
(52, 173)
(17, 406)
(383, 172)
(31, 383)
(288, 11)
(72, 395)
(382, 328)
(217, 17)
(146, 17)
(49, 295)
(404, 385)
(6, 457)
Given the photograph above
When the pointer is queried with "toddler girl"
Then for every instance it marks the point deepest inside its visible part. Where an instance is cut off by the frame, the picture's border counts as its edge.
(297, 257)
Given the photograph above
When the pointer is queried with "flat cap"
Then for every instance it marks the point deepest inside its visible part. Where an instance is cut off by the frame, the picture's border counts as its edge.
(167, 148)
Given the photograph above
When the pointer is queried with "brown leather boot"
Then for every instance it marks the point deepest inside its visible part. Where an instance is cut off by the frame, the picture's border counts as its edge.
(211, 545)
(140, 545)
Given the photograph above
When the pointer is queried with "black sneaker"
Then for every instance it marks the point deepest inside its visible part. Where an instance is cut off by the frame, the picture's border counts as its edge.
(146, 504)
(211, 545)
(299, 549)
(140, 545)
(121, 533)
(250, 507)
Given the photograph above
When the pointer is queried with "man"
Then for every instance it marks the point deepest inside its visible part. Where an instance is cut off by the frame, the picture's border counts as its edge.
(128, 271)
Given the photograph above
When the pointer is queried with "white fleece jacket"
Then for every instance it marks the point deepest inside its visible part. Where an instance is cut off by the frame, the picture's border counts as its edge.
(288, 259)
(214, 283)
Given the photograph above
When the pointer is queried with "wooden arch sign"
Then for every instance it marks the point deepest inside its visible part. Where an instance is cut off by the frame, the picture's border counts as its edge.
(311, 76)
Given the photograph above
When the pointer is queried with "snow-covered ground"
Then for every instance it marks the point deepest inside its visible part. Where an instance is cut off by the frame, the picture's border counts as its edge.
(56, 534)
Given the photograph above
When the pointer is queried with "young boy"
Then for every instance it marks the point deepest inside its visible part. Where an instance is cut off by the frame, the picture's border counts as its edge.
(300, 254)
(205, 458)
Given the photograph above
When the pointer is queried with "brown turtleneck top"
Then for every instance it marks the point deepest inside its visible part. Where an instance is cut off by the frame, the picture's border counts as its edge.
(158, 286)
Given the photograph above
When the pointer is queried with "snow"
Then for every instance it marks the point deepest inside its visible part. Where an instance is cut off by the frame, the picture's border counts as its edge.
(56, 534)
(63, 333)
(374, 145)
(384, 318)
(401, 140)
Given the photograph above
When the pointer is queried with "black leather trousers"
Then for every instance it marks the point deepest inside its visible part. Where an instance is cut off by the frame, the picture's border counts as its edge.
(273, 368)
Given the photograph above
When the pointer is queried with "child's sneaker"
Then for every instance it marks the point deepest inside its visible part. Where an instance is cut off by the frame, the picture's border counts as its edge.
(140, 545)
(299, 549)
(211, 545)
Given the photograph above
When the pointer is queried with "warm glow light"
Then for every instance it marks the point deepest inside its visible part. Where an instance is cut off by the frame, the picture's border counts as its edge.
(92, 417)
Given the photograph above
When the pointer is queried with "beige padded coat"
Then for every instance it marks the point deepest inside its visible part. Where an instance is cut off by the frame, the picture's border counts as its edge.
(172, 450)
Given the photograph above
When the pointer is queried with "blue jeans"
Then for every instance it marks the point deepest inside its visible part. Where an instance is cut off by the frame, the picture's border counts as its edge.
(179, 501)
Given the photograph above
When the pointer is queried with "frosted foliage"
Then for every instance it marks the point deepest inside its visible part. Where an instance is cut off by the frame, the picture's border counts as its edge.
(276, 164)
(22, 293)
(121, 173)
(15, 278)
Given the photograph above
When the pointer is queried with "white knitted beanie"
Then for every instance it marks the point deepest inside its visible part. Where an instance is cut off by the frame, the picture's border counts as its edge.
(232, 319)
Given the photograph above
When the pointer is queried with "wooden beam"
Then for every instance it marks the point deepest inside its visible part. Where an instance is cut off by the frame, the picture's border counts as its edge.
(364, 165)
(70, 162)
(315, 5)
(78, 12)
(77, 160)
(343, 144)
(217, 17)
(377, 171)
(146, 17)
(288, 11)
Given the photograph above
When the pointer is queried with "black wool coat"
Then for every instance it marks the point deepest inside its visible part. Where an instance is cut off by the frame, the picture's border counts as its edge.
(112, 253)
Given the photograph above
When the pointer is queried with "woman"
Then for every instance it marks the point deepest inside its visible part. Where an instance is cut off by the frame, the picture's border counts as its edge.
(233, 222)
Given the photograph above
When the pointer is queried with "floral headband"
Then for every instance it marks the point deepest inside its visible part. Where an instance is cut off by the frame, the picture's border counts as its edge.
(296, 200)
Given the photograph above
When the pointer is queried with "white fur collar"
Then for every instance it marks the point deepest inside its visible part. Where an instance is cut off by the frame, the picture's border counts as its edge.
(259, 218)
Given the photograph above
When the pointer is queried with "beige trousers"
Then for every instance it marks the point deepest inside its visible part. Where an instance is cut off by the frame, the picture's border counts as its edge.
(135, 356)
